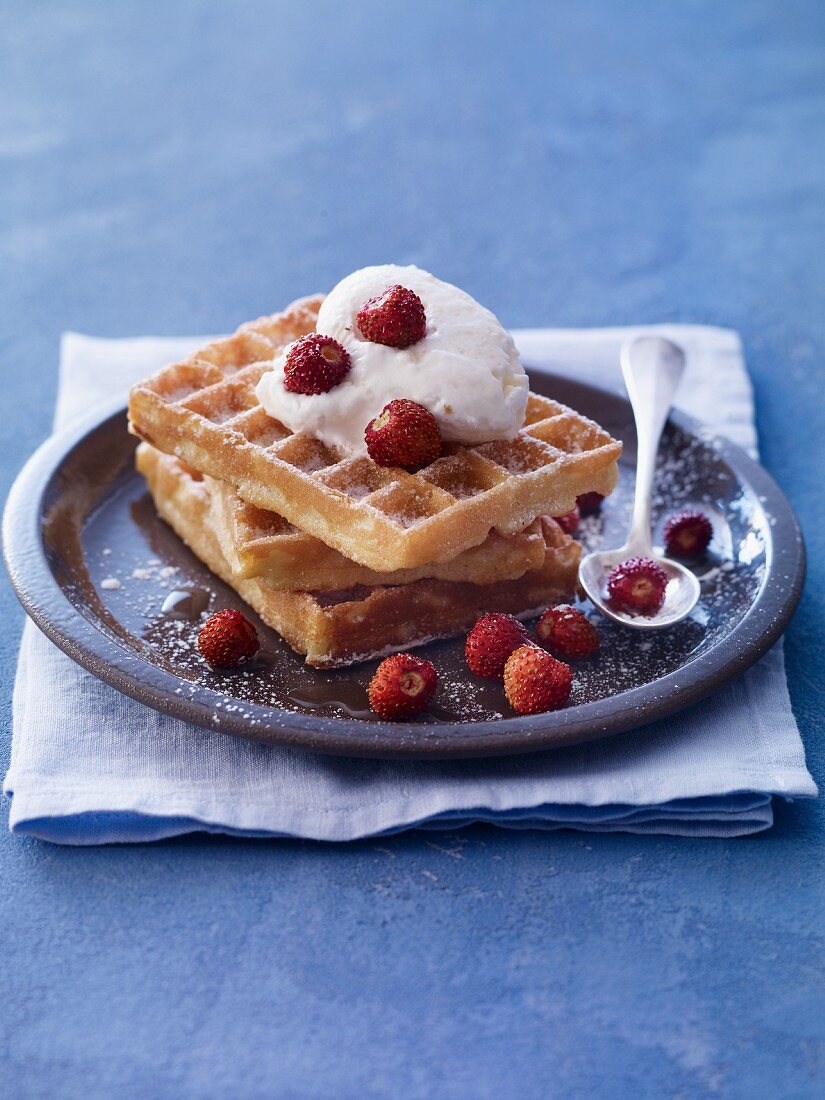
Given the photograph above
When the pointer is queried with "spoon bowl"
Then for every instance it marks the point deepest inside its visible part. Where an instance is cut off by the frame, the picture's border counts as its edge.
(681, 594)
(652, 368)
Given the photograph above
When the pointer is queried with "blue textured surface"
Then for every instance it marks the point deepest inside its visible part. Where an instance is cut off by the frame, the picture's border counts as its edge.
(175, 168)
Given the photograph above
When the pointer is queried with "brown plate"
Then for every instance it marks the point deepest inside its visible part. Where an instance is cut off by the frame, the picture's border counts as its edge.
(111, 585)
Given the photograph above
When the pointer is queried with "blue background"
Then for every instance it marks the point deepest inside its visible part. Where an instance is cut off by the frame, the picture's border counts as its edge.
(180, 167)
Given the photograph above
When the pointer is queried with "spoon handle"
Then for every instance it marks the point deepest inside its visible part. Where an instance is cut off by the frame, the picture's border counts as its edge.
(652, 369)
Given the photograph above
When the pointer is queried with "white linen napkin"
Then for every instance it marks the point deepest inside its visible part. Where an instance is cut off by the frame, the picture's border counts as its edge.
(90, 766)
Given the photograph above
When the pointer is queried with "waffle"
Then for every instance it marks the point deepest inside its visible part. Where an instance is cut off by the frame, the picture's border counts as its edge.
(205, 411)
(263, 544)
(340, 628)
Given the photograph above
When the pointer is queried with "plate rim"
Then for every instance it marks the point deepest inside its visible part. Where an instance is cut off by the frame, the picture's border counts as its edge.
(62, 622)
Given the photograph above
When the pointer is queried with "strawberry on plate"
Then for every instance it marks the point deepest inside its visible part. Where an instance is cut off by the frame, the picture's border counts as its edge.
(589, 503)
(490, 643)
(688, 533)
(535, 682)
(402, 686)
(569, 522)
(228, 640)
(567, 632)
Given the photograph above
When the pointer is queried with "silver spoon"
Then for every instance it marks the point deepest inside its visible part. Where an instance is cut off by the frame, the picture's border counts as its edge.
(652, 369)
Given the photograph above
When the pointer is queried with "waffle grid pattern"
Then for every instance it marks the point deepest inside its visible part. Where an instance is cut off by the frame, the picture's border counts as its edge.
(205, 411)
(263, 544)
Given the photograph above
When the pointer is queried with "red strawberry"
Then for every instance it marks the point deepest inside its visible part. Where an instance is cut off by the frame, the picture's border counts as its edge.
(688, 533)
(638, 586)
(490, 643)
(569, 522)
(535, 682)
(402, 686)
(404, 434)
(589, 503)
(568, 632)
(394, 318)
(315, 364)
(227, 640)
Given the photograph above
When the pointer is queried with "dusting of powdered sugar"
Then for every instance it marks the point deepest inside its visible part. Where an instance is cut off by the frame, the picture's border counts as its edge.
(158, 595)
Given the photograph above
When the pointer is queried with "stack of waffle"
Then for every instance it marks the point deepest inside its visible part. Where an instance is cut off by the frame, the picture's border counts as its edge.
(346, 559)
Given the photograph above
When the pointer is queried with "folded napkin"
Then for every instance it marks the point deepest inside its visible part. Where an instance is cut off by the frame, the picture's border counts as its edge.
(89, 766)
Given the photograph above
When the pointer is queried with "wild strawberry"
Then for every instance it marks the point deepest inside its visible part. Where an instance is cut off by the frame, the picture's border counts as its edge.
(589, 503)
(315, 364)
(490, 643)
(227, 640)
(402, 686)
(535, 682)
(404, 434)
(394, 318)
(688, 533)
(569, 522)
(567, 632)
(638, 586)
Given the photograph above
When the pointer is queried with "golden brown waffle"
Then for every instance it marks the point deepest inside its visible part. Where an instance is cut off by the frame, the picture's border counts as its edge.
(340, 628)
(205, 411)
(263, 544)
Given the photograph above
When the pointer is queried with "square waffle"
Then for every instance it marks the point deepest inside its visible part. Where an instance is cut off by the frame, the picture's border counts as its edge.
(263, 544)
(340, 628)
(205, 411)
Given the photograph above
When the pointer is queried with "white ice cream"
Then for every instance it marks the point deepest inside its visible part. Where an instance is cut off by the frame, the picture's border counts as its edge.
(466, 370)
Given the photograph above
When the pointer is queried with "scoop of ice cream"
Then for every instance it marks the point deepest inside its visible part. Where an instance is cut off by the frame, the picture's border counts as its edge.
(465, 370)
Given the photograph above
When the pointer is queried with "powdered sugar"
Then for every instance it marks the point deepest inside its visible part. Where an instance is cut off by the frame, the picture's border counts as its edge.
(160, 595)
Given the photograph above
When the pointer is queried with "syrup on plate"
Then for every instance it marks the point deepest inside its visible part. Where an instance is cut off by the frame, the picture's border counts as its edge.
(185, 603)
